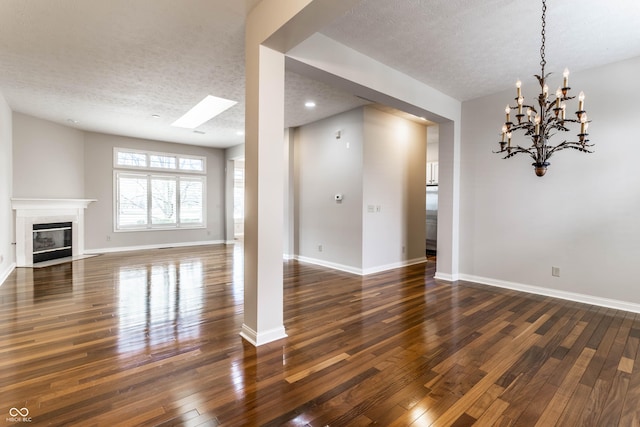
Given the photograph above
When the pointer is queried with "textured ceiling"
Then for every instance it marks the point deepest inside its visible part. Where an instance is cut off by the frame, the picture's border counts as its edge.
(469, 49)
(111, 65)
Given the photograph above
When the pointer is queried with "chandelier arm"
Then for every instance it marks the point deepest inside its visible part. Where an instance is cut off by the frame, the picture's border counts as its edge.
(570, 144)
(517, 150)
(550, 106)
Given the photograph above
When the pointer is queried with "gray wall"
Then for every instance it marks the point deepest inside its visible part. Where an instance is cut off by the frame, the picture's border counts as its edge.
(99, 185)
(48, 159)
(394, 179)
(379, 160)
(7, 233)
(326, 166)
(55, 161)
(582, 216)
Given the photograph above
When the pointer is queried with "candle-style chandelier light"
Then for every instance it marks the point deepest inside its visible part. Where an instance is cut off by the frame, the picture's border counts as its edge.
(541, 122)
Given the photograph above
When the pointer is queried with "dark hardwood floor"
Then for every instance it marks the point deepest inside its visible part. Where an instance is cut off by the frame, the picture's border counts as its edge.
(151, 338)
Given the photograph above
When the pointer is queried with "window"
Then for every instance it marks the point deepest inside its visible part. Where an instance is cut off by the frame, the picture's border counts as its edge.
(158, 190)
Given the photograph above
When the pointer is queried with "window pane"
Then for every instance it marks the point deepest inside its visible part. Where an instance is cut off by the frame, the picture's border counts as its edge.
(191, 201)
(191, 164)
(163, 200)
(132, 159)
(132, 202)
(163, 162)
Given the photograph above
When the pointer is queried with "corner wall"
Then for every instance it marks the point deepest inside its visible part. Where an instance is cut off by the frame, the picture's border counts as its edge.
(7, 233)
(394, 180)
(48, 159)
(329, 232)
(377, 164)
(98, 164)
(581, 216)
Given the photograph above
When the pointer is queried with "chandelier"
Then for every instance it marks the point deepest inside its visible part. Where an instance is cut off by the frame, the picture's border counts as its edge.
(544, 120)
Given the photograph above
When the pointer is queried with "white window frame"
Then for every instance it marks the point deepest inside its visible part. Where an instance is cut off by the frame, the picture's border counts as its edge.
(163, 173)
(148, 154)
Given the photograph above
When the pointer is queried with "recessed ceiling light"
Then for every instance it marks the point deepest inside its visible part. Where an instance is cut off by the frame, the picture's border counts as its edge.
(309, 104)
(204, 111)
(155, 116)
(73, 121)
(199, 132)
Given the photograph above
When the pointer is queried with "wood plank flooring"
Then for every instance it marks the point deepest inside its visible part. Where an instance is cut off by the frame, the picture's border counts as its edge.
(151, 338)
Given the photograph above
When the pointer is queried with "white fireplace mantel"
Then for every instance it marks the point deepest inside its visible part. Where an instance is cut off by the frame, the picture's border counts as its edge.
(31, 211)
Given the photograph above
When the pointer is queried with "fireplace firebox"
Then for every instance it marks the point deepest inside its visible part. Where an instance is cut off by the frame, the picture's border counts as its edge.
(52, 241)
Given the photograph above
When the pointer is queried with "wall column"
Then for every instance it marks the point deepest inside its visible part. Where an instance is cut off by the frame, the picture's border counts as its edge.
(264, 174)
(272, 28)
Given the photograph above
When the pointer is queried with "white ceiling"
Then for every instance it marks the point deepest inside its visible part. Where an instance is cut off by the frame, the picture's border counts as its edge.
(472, 48)
(111, 65)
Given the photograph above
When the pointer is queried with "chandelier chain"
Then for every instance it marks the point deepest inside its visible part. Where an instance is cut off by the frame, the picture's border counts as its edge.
(543, 61)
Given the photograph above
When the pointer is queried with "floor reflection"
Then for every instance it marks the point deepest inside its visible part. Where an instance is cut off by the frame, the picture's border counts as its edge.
(159, 304)
(53, 281)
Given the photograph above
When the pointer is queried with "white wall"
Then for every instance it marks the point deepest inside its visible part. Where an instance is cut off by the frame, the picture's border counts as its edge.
(99, 185)
(326, 166)
(378, 161)
(433, 143)
(582, 216)
(394, 179)
(48, 159)
(7, 234)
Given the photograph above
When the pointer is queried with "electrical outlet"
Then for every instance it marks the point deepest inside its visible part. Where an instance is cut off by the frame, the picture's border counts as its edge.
(1, 258)
(319, 248)
(108, 238)
(555, 271)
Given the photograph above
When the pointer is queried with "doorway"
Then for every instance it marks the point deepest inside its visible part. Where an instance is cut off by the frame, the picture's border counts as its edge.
(432, 192)
(238, 199)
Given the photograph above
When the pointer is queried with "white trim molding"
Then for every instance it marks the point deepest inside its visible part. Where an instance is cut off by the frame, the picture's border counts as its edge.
(355, 270)
(400, 264)
(31, 211)
(446, 277)
(332, 265)
(258, 339)
(7, 272)
(154, 246)
(570, 296)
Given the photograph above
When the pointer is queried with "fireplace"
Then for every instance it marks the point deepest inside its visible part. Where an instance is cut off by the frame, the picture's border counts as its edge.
(48, 229)
(52, 241)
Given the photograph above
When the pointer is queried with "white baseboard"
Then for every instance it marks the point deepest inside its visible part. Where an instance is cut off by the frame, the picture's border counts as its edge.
(333, 265)
(445, 276)
(405, 263)
(570, 296)
(260, 338)
(288, 257)
(355, 270)
(154, 246)
(7, 272)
